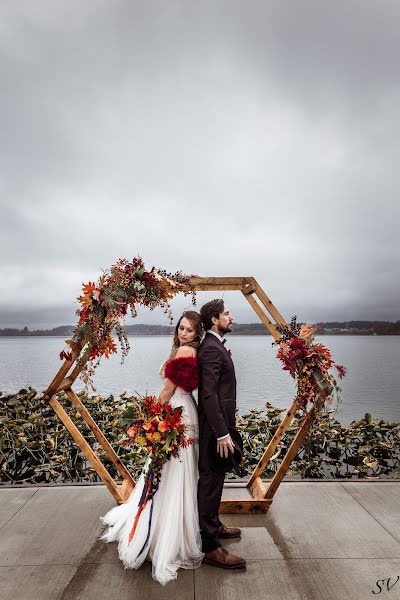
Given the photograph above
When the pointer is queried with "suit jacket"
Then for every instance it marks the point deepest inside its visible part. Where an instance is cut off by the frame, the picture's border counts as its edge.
(217, 388)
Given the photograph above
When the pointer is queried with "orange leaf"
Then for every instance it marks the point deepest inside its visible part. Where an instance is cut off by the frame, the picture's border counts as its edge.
(111, 348)
(88, 288)
(112, 345)
(86, 301)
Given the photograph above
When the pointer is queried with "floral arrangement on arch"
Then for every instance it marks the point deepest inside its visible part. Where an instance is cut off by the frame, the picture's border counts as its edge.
(308, 362)
(104, 305)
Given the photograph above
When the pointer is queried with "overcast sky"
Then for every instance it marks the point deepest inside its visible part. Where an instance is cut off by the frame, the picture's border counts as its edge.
(221, 138)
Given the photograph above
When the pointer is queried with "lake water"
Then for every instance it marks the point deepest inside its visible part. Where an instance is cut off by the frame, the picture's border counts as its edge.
(371, 385)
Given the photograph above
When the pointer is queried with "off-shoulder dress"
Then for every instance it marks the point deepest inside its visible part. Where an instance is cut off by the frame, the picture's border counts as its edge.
(174, 540)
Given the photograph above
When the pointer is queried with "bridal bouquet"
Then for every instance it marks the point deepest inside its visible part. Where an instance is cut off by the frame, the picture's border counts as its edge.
(308, 362)
(158, 428)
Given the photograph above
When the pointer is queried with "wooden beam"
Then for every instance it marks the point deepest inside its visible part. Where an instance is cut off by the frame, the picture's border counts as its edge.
(260, 312)
(248, 289)
(64, 385)
(78, 367)
(126, 489)
(87, 450)
(214, 282)
(273, 311)
(270, 449)
(60, 382)
(257, 489)
(206, 287)
(244, 506)
(65, 367)
(98, 434)
(293, 450)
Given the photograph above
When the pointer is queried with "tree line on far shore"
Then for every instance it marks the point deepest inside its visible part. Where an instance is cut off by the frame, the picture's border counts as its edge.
(327, 328)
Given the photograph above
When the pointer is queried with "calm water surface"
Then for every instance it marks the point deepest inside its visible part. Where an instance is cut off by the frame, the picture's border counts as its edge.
(371, 384)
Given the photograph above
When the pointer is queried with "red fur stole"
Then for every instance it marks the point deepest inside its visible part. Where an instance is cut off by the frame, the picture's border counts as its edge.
(183, 372)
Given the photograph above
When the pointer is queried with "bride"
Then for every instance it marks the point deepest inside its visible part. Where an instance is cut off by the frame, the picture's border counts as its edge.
(174, 541)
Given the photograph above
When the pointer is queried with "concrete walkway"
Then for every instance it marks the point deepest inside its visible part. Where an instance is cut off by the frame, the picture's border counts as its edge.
(319, 541)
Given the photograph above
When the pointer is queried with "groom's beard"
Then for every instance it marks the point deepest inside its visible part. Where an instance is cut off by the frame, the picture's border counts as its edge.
(224, 330)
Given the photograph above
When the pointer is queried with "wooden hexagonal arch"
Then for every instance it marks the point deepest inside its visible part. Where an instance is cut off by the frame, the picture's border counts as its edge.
(253, 497)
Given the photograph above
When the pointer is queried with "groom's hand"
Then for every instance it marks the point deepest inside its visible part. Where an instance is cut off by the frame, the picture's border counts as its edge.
(223, 447)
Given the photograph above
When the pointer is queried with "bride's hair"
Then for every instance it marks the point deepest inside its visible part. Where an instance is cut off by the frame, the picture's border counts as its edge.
(195, 321)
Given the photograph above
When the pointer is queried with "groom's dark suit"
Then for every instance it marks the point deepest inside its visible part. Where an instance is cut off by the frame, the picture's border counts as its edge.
(216, 409)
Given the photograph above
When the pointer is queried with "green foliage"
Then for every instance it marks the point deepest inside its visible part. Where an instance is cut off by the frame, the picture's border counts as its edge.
(366, 448)
(35, 447)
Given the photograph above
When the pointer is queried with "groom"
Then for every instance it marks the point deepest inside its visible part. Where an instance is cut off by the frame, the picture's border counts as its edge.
(216, 409)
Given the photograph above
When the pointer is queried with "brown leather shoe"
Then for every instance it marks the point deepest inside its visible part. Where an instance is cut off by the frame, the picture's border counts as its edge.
(220, 557)
(228, 532)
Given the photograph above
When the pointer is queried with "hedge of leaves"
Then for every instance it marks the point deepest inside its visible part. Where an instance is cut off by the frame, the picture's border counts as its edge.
(35, 447)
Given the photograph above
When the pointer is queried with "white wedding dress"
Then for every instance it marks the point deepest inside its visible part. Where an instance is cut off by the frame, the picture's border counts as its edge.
(174, 540)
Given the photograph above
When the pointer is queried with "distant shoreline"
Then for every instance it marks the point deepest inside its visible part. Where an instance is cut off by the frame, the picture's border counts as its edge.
(233, 333)
(138, 335)
(323, 328)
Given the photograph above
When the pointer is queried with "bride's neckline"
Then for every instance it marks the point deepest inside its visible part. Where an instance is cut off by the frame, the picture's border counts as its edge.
(161, 370)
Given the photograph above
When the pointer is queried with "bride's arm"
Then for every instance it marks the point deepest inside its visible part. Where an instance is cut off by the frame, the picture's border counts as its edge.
(167, 391)
(169, 388)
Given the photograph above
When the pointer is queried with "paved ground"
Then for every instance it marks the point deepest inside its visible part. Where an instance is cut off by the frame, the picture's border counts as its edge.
(319, 541)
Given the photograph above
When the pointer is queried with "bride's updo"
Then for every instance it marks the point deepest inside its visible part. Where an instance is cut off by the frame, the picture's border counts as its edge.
(195, 320)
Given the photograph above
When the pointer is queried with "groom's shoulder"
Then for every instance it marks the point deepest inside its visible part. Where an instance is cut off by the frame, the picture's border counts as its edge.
(209, 342)
(209, 338)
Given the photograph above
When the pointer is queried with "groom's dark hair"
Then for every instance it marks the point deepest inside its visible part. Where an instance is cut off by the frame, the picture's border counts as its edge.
(211, 309)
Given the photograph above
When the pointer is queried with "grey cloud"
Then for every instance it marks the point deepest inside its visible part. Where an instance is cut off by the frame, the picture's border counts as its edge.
(223, 138)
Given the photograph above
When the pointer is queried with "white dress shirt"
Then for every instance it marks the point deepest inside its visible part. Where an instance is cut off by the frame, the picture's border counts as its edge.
(221, 339)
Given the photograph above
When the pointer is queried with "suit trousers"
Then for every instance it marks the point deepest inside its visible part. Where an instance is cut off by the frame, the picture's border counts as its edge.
(209, 493)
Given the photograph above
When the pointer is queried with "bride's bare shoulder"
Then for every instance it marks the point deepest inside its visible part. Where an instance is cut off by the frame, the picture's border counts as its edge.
(186, 351)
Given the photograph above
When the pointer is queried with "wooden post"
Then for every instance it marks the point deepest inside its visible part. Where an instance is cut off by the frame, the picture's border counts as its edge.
(98, 434)
(270, 449)
(62, 383)
(293, 450)
(257, 308)
(87, 450)
(268, 305)
(53, 387)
